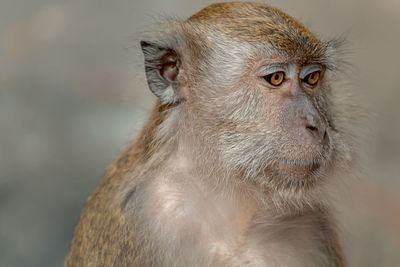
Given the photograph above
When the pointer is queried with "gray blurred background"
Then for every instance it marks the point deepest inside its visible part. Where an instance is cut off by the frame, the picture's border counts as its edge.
(73, 94)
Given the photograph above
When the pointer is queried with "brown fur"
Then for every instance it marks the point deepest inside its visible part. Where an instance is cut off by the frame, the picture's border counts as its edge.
(103, 232)
(257, 23)
(135, 216)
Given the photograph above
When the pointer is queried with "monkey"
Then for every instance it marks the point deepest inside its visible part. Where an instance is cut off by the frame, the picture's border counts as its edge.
(234, 164)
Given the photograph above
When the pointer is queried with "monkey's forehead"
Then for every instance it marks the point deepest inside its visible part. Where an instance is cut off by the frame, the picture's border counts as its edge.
(254, 22)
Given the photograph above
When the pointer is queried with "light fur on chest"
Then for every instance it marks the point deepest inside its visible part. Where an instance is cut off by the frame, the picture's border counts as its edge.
(203, 226)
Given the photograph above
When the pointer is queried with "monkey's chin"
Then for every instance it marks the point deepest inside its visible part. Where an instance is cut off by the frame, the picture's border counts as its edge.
(298, 168)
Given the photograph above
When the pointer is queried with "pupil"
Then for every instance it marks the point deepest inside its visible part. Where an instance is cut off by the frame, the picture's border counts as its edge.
(276, 76)
(312, 76)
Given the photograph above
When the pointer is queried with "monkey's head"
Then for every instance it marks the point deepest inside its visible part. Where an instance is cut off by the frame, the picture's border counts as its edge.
(250, 90)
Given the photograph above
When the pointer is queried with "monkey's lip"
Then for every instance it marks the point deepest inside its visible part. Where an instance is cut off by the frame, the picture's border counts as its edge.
(309, 163)
(300, 168)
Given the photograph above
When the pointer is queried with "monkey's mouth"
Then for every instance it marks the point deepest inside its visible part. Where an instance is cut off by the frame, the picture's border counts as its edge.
(299, 168)
(301, 162)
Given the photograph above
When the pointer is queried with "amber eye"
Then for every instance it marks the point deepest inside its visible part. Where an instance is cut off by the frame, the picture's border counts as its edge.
(275, 78)
(312, 78)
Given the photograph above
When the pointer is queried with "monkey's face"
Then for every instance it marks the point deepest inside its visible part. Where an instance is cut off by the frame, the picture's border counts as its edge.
(272, 125)
(252, 85)
(301, 143)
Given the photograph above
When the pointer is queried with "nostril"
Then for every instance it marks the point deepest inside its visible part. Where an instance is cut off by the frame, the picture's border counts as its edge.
(312, 128)
(319, 134)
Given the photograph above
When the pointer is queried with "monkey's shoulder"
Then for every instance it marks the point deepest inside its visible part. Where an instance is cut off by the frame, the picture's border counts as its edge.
(107, 223)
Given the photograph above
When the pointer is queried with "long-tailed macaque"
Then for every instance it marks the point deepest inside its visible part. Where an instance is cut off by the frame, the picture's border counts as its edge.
(234, 164)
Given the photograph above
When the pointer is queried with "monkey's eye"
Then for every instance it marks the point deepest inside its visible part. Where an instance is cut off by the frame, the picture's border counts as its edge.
(276, 78)
(312, 78)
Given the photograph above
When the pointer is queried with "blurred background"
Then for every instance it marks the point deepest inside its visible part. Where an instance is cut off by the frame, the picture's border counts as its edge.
(73, 94)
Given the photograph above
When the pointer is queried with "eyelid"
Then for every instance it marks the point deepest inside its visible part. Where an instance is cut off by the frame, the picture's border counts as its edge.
(309, 69)
(267, 70)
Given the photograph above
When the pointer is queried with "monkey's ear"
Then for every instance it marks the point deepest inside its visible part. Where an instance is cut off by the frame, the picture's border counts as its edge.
(162, 67)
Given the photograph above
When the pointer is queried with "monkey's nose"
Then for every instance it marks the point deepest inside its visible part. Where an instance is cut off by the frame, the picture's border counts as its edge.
(317, 132)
